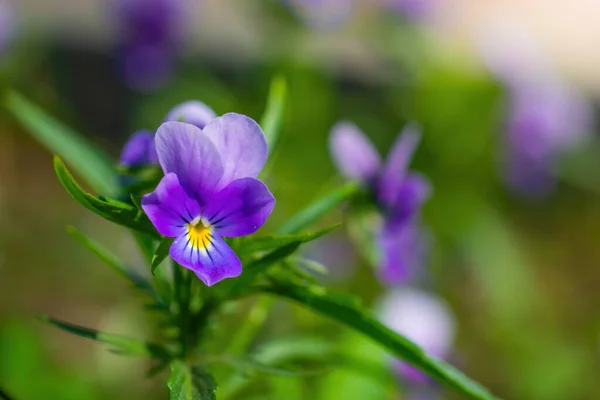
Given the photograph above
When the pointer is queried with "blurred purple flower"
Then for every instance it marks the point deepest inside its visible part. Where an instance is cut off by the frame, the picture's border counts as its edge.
(545, 116)
(150, 35)
(398, 193)
(423, 318)
(7, 23)
(544, 121)
(413, 9)
(140, 150)
(209, 191)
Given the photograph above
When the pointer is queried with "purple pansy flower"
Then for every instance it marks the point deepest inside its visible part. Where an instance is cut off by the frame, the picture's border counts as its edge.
(209, 191)
(140, 149)
(397, 192)
(423, 318)
(151, 32)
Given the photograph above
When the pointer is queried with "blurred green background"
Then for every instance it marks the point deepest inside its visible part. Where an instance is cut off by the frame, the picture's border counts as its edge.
(520, 274)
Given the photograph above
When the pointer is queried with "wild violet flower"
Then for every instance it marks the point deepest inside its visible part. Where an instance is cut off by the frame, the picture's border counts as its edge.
(423, 318)
(397, 193)
(140, 149)
(150, 35)
(209, 191)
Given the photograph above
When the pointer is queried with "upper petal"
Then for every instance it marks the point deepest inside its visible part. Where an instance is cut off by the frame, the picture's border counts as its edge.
(193, 112)
(394, 169)
(241, 144)
(139, 150)
(169, 207)
(184, 150)
(212, 262)
(240, 208)
(353, 153)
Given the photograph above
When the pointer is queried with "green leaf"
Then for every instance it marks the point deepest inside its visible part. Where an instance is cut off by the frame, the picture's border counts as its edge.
(115, 263)
(348, 311)
(121, 344)
(260, 266)
(272, 117)
(253, 245)
(319, 208)
(94, 166)
(190, 383)
(162, 251)
(116, 211)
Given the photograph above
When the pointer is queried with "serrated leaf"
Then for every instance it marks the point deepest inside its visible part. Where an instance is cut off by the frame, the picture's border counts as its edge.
(265, 243)
(116, 264)
(273, 115)
(348, 311)
(113, 210)
(91, 164)
(316, 210)
(121, 344)
(162, 251)
(190, 383)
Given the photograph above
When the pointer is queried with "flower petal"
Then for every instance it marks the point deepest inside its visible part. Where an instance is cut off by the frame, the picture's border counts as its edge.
(185, 151)
(414, 191)
(139, 150)
(192, 112)
(422, 317)
(169, 207)
(394, 169)
(241, 208)
(241, 144)
(212, 263)
(353, 153)
(402, 253)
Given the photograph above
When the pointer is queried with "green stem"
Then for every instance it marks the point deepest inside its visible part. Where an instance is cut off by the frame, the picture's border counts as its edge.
(256, 318)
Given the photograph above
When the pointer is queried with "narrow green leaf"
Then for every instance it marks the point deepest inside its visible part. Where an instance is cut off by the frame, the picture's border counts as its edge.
(190, 383)
(162, 251)
(349, 312)
(253, 245)
(319, 208)
(260, 266)
(311, 266)
(116, 211)
(114, 262)
(122, 344)
(94, 167)
(273, 115)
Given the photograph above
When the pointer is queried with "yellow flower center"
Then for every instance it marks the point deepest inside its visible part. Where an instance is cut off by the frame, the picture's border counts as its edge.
(199, 233)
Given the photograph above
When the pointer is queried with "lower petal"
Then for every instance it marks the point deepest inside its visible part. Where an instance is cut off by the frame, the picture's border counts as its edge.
(402, 252)
(211, 259)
